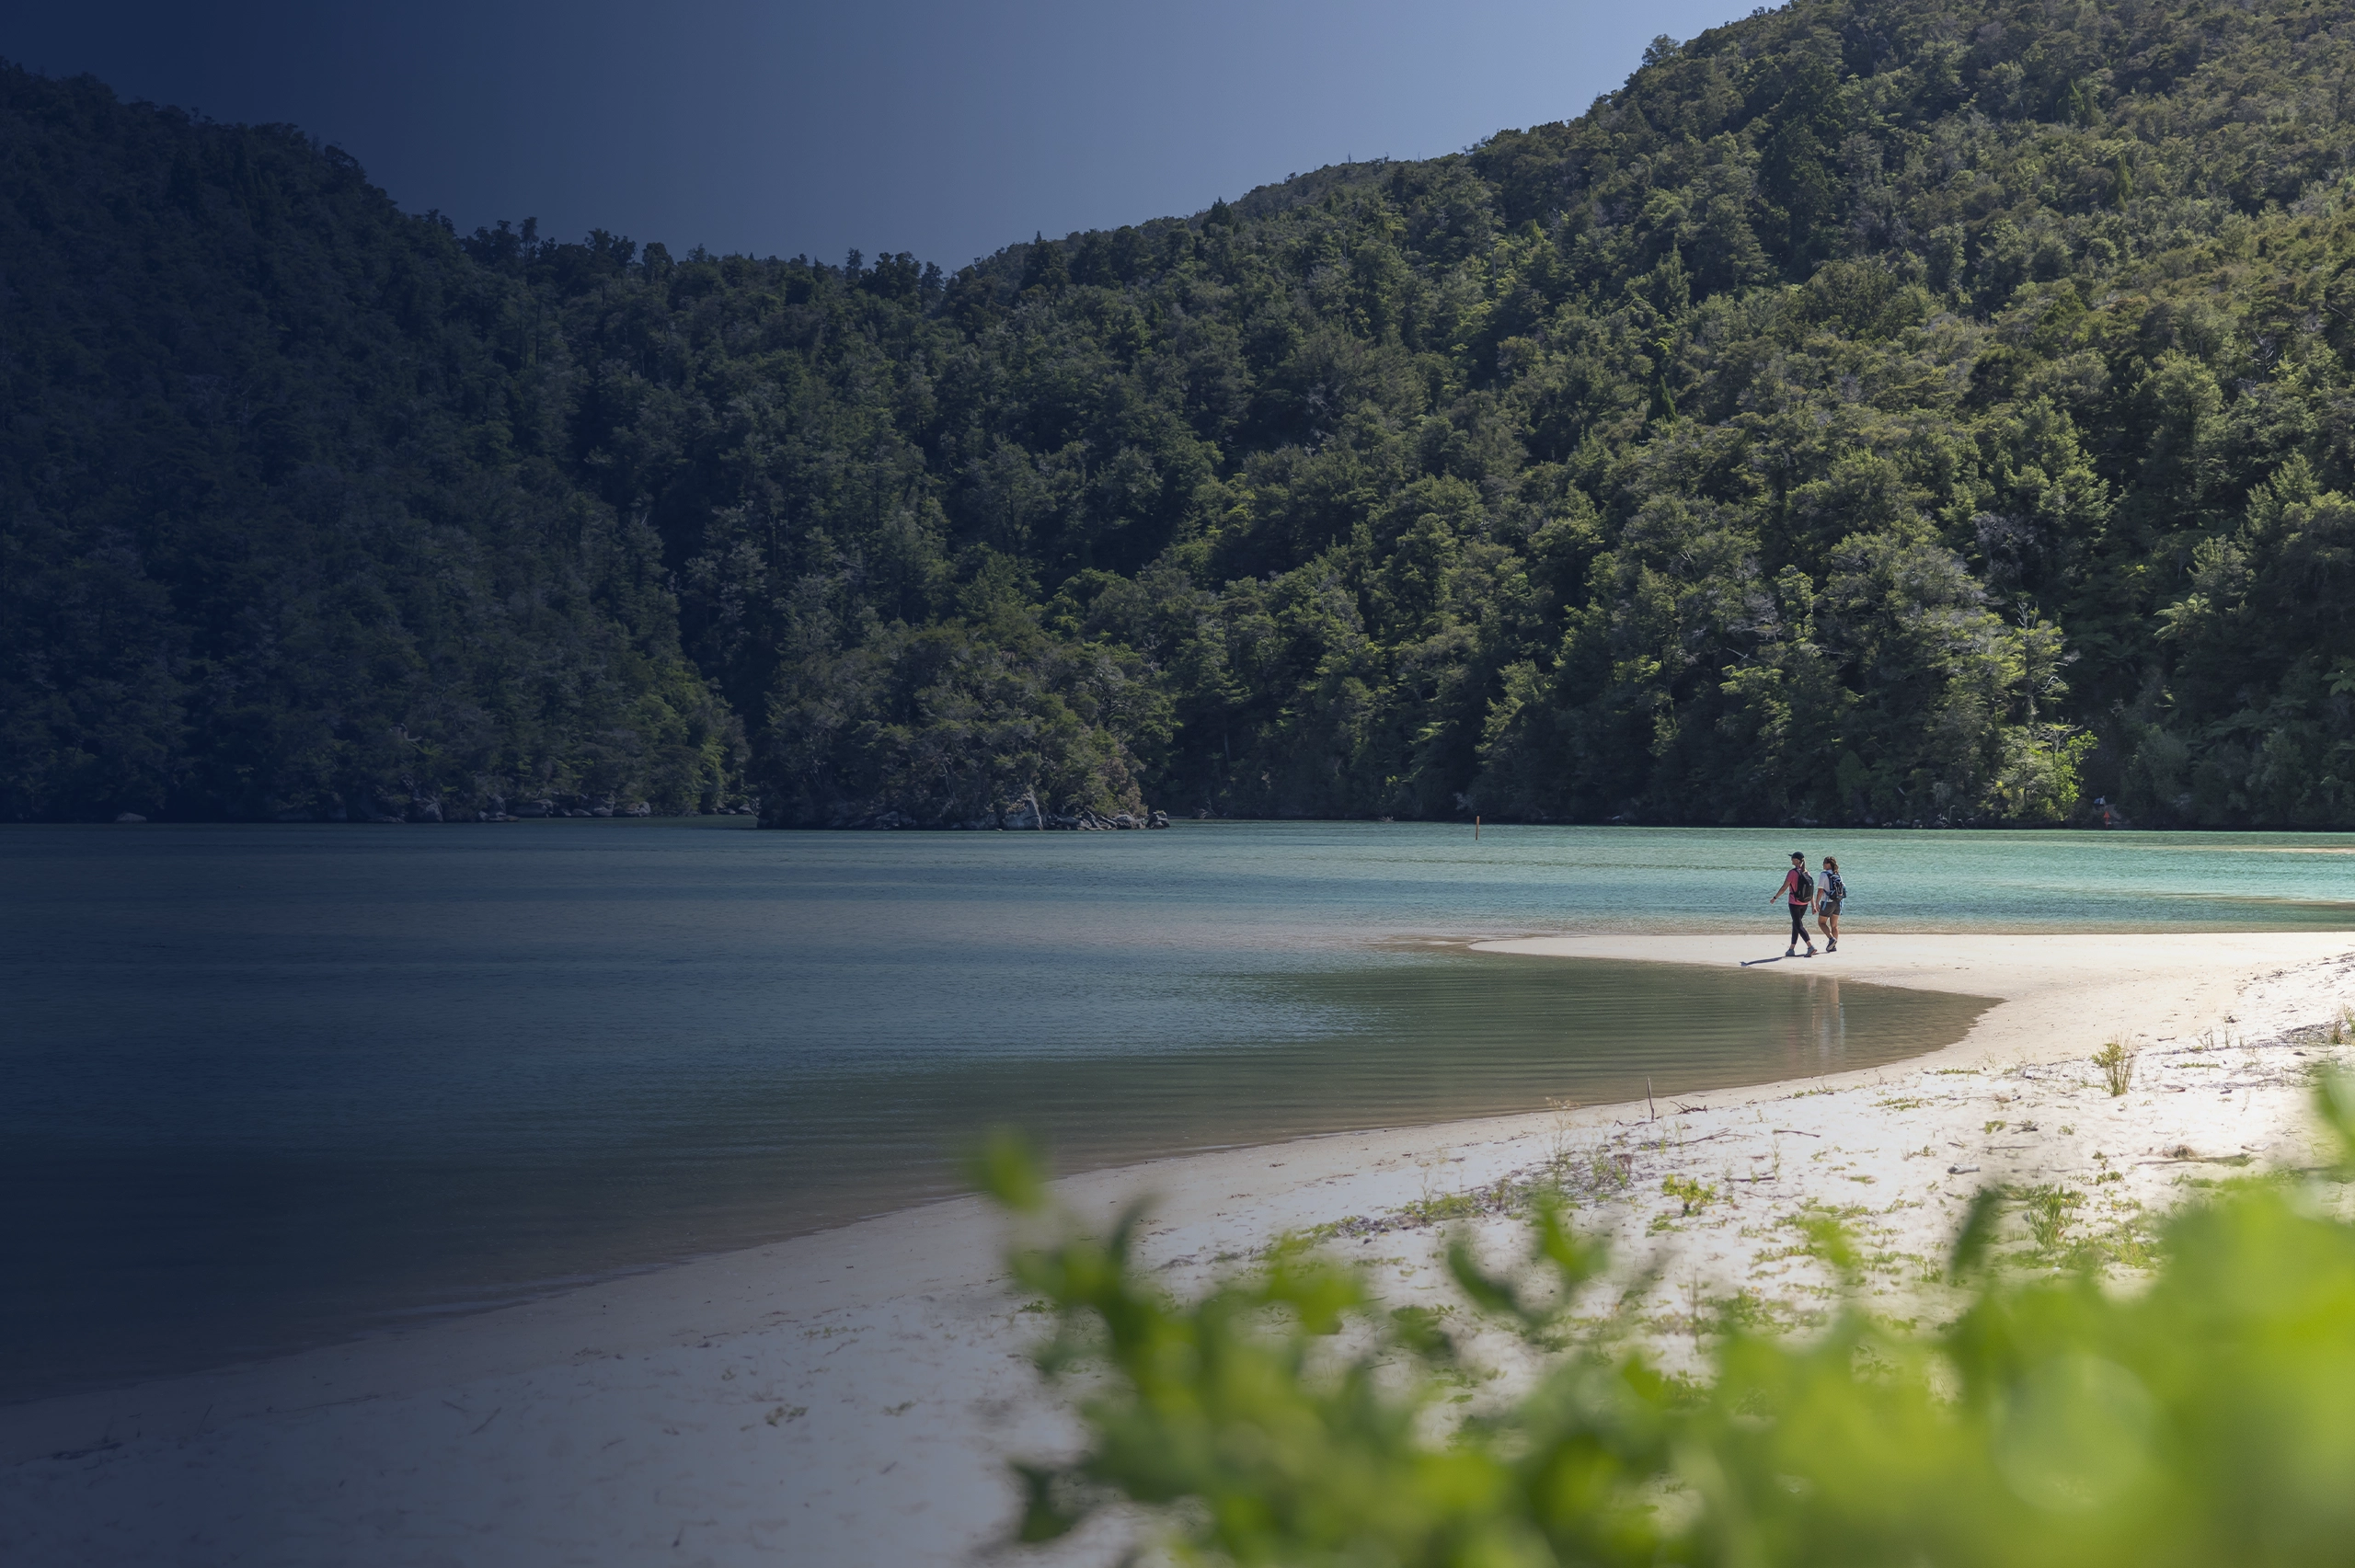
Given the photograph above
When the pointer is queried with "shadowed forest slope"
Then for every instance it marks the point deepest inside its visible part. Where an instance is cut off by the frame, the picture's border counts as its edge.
(1885, 411)
(290, 524)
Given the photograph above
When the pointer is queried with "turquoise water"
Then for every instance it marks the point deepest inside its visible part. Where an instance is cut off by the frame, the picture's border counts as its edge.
(265, 1086)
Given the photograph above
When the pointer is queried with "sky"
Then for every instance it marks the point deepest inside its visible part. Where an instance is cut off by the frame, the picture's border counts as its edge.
(780, 127)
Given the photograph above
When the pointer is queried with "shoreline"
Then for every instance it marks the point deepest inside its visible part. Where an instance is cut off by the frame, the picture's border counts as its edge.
(1494, 1082)
(851, 1393)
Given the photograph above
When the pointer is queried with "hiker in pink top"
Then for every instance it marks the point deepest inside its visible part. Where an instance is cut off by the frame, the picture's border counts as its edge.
(1798, 891)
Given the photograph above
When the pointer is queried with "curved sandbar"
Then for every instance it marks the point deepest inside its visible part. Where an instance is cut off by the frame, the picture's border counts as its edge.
(2059, 995)
(852, 1396)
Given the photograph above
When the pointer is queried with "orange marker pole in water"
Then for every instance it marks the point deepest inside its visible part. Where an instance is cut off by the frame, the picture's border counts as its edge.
(1475, 829)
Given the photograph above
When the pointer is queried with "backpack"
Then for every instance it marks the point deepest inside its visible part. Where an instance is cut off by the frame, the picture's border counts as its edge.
(1834, 888)
(1805, 892)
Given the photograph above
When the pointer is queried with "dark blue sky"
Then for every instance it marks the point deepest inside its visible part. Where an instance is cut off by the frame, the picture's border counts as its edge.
(946, 130)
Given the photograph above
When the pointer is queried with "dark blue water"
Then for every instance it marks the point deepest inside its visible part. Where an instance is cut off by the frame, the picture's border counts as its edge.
(265, 1086)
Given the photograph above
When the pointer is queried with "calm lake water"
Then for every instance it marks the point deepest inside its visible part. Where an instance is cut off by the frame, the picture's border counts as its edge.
(270, 1086)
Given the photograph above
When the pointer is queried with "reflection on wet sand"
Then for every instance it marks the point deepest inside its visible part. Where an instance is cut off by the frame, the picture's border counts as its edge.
(1815, 1033)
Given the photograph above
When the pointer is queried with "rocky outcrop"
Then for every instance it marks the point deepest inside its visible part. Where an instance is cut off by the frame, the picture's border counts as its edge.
(1084, 819)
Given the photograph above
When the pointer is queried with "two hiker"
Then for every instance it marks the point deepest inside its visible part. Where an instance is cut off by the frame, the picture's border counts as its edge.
(1800, 891)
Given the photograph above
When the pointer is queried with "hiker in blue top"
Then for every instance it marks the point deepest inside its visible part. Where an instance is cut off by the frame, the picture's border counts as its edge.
(1798, 891)
(1829, 897)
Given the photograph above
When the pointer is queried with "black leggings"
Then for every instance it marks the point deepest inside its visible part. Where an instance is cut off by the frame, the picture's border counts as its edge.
(1798, 924)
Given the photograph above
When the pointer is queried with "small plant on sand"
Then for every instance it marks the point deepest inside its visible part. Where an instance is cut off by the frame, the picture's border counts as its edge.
(1595, 1171)
(1565, 1131)
(1433, 1168)
(2117, 1065)
(2045, 1210)
(1694, 1196)
(1439, 1211)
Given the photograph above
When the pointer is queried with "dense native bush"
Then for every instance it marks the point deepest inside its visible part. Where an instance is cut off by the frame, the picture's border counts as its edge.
(1913, 410)
(285, 522)
(2207, 1416)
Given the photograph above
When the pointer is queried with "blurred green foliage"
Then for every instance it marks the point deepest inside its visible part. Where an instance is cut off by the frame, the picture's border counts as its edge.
(1875, 410)
(2203, 1416)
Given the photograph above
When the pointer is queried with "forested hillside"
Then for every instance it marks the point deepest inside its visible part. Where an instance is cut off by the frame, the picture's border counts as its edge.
(289, 521)
(1874, 411)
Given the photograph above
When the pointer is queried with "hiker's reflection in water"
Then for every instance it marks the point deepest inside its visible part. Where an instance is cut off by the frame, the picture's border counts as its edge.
(1815, 1039)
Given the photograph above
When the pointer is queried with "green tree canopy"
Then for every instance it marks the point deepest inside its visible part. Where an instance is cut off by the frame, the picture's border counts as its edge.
(1876, 410)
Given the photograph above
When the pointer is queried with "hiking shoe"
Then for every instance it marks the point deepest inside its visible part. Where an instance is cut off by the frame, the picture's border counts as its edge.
(1832, 946)
(1810, 949)
(1790, 952)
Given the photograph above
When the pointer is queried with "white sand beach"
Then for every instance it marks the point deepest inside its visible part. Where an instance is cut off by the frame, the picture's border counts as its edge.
(848, 1399)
